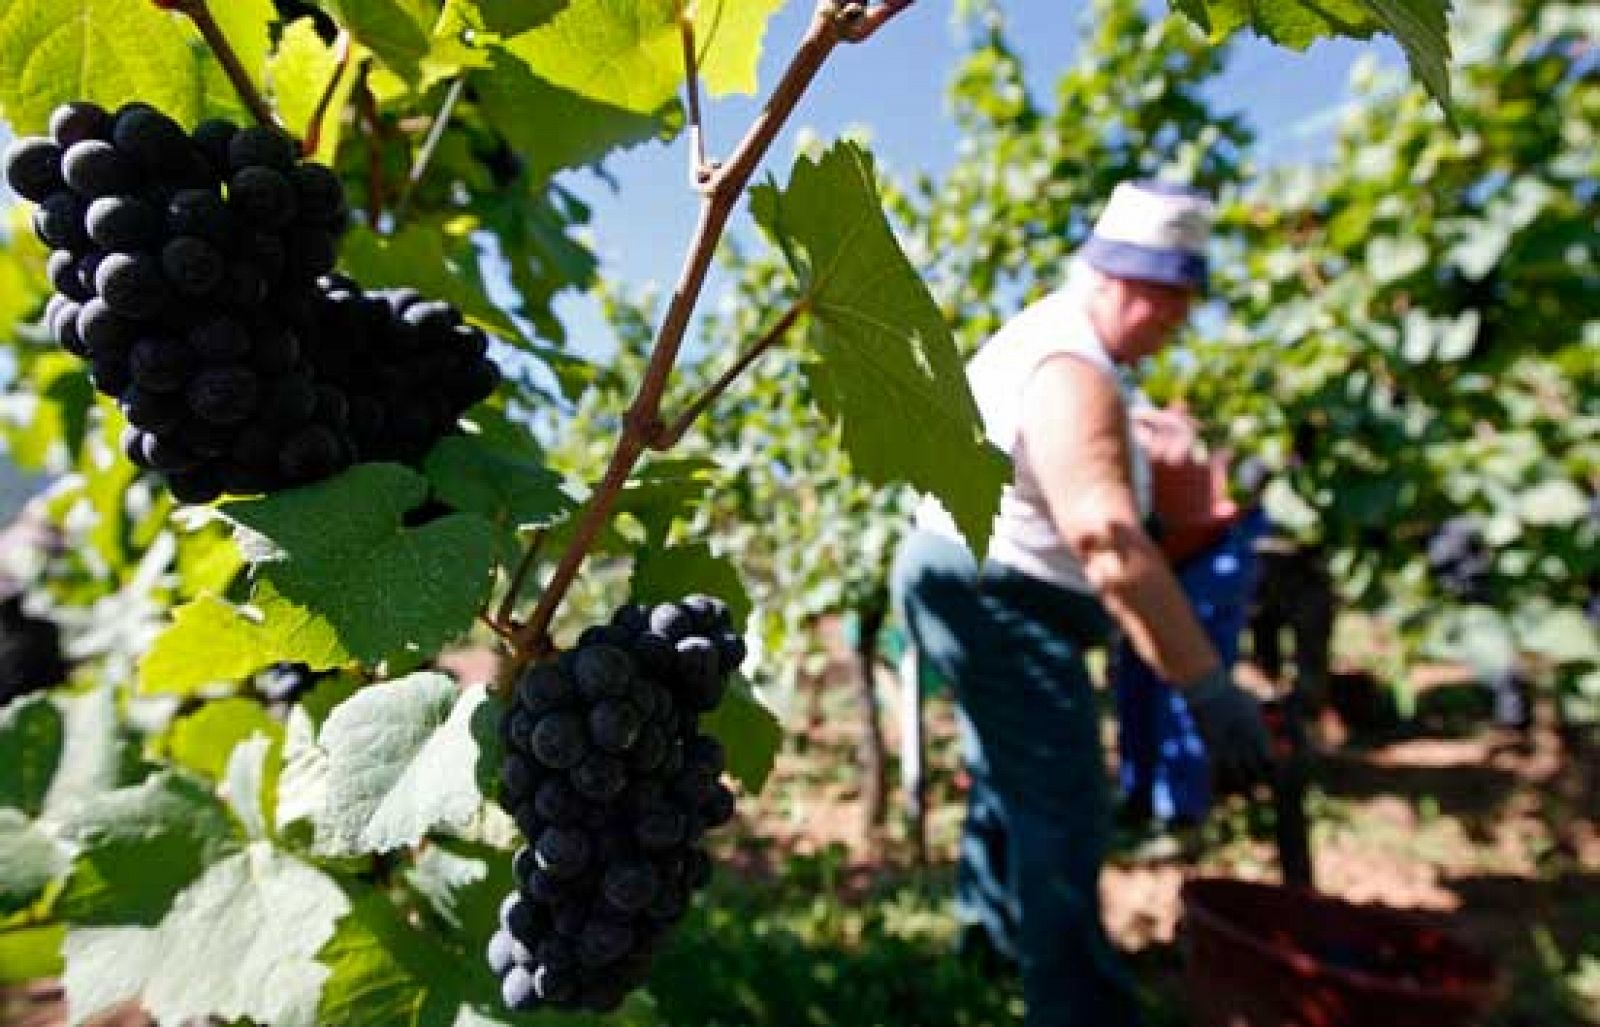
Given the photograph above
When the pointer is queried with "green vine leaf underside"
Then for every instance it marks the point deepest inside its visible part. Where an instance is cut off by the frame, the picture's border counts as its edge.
(340, 550)
(240, 942)
(29, 861)
(138, 847)
(511, 489)
(889, 372)
(1419, 26)
(403, 758)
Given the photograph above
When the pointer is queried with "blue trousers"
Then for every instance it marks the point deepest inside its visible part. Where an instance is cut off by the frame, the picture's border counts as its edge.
(1038, 812)
(1163, 769)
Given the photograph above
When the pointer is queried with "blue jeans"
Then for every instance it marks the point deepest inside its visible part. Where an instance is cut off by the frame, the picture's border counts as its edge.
(1163, 768)
(1038, 813)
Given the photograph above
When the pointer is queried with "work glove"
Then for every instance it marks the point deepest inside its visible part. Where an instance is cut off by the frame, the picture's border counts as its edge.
(1229, 721)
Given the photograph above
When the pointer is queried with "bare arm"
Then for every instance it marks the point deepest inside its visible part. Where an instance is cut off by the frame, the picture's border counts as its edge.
(1074, 431)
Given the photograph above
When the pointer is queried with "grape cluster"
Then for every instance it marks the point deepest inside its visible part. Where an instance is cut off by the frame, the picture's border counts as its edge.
(191, 270)
(1461, 560)
(30, 652)
(613, 786)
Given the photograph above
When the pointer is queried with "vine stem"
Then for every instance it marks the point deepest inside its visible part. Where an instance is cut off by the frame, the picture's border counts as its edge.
(343, 52)
(831, 24)
(699, 171)
(430, 145)
(199, 12)
(669, 435)
(368, 106)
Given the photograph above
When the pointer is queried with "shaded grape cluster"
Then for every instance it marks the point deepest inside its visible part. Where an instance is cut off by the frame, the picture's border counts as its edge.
(191, 271)
(613, 786)
(30, 652)
(1460, 560)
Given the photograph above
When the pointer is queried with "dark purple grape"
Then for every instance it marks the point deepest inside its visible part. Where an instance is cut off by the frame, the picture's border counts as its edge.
(559, 740)
(562, 852)
(95, 168)
(58, 221)
(259, 146)
(261, 196)
(124, 223)
(33, 168)
(223, 395)
(62, 269)
(161, 365)
(600, 777)
(132, 285)
(78, 120)
(518, 991)
(192, 265)
(630, 885)
(614, 724)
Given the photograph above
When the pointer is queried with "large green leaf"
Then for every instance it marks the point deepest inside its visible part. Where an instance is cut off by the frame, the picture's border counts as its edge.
(396, 30)
(554, 127)
(1418, 25)
(340, 550)
(749, 731)
(211, 641)
(32, 735)
(512, 489)
(138, 847)
(403, 759)
(628, 54)
(889, 372)
(29, 861)
(664, 575)
(240, 942)
(204, 740)
(416, 256)
(385, 973)
(109, 51)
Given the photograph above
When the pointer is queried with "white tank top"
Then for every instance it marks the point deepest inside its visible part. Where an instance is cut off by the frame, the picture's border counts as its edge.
(1024, 536)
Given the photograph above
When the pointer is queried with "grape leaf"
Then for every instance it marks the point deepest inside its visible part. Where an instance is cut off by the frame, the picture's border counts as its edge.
(250, 782)
(247, 26)
(84, 50)
(56, 411)
(395, 30)
(416, 256)
(92, 754)
(750, 732)
(211, 641)
(509, 17)
(138, 847)
(383, 972)
(31, 953)
(340, 550)
(464, 884)
(204, 740)
(662, 575)
(403, 759)
(29, 861)
(552, 127)
(889, 371)
(32, 735)
(1418, 25)
(240, 942)
(629, 53)
(510, 489)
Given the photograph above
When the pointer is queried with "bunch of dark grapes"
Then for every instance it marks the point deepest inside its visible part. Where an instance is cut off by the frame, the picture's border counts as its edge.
(1461, 560)
(30, 652)
(613, 786)
(191, 272)
(402, 368)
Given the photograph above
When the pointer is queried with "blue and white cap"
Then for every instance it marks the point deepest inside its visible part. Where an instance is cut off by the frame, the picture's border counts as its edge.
(1153, 231)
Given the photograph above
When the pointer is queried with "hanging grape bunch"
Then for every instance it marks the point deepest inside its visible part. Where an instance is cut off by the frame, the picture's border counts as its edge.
(190, 271)
(613, 786)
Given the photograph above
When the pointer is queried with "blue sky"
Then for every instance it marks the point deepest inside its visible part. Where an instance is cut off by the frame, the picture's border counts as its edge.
(894, 87)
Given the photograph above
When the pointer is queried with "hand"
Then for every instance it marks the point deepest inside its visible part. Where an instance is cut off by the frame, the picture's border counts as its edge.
(1229, 721)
